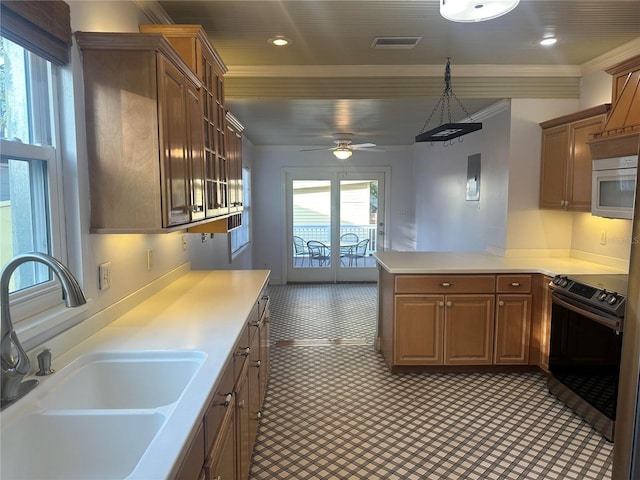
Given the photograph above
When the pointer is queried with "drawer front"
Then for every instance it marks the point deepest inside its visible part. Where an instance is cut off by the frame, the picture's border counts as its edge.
(513, 284)
(444, 284)
(219, 406)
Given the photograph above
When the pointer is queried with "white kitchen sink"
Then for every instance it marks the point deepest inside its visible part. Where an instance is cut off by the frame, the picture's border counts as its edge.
(76, 446)
(123, 380)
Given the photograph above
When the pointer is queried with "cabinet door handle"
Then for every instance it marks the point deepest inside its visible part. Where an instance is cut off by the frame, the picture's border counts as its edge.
(241, 404)
(515, 284)
(449, 304)
(501, 303)
(441, 304)
(259, 415)
(244, 352)
(257, 364)
(445, 284)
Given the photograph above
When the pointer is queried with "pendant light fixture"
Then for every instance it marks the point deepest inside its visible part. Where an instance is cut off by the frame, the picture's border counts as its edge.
(450, 130)
(475, 10)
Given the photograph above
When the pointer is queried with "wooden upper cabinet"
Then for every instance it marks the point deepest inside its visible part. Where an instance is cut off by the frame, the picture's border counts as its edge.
(565, 180)
(144, 139)
(192, 44)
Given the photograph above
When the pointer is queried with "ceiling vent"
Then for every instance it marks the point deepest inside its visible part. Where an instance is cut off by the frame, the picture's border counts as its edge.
(395, 42)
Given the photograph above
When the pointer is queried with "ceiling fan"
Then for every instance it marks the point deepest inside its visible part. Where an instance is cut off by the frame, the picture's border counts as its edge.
(344, 148)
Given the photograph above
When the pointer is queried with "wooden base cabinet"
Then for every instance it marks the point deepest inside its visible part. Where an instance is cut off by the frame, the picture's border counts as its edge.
(224, 443)
(449, 322)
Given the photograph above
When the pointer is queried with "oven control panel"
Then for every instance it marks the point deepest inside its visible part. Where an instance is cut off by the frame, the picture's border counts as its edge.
(590, 294)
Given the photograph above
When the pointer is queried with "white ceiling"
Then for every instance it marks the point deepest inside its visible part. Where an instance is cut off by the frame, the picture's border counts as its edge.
(330, 79)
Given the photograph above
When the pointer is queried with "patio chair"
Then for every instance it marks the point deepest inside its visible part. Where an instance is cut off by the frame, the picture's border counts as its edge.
(359, 251)
(300, 251)
(320, 252)
(348, 242)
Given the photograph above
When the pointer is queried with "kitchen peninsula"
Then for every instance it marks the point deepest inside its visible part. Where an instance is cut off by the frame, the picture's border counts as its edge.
(464, 311)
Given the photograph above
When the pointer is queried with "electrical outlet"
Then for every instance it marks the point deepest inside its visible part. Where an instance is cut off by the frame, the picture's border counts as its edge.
(149, 260)
(104, 276)
(184, 242)
(204, 238)
(603, 237)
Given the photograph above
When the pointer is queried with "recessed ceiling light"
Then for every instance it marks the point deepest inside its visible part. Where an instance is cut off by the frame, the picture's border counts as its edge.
(279, 41)
(548, 41)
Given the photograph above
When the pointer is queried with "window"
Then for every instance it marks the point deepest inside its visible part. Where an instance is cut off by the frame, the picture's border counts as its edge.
(30, 194)
(241, 236)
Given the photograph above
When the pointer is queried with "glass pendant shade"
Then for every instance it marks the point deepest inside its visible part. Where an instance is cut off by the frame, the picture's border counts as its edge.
(475, 10)
(342, 153)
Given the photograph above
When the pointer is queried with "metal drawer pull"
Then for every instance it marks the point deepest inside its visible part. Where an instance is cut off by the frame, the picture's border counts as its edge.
(445, 284)
(227, 399)
(515, 284)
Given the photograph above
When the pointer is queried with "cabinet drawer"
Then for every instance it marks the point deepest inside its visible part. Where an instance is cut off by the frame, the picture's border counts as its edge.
(445, 284)
(513, 284)
(219, 406)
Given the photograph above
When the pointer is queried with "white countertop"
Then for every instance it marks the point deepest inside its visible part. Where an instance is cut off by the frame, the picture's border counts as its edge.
(203, 311)
(471, 262)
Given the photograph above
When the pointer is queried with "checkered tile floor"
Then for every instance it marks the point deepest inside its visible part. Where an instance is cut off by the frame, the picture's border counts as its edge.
(333, 411)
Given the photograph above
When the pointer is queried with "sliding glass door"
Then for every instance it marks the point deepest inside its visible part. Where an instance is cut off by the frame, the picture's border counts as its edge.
(334, 224)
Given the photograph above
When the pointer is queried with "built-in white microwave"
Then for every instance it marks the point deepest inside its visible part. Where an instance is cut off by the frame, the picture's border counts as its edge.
(614, 186)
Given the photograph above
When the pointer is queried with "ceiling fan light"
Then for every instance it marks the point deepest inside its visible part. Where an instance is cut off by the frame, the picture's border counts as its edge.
(342, 153)
(475, 10)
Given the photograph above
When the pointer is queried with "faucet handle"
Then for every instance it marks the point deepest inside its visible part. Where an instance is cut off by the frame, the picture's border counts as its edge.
(44, 363)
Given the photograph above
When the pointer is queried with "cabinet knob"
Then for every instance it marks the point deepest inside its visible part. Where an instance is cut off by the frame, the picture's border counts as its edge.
(441, 304)
(244, 352)
(259, 415)
(241, 404)
(257, 364)
(515, 284)
(501, 303)
(449, 304)
(445, 284)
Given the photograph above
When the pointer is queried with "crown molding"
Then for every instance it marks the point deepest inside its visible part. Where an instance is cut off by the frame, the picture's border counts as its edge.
(154, 11)
(612, 58)
(333, 71)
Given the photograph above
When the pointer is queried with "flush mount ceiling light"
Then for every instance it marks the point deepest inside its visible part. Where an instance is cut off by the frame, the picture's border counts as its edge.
(342, 153)
(447, 131)
(279, 41)
(546, 42)
(475, 10)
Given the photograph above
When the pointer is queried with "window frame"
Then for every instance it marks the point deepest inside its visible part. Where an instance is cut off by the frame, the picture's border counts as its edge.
(28, 304)
(236, 249)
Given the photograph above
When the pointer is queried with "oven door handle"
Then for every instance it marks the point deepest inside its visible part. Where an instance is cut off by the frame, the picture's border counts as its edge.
(601, 319)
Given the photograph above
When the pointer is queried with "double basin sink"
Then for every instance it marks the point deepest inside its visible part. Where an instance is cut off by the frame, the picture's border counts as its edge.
(97, 416)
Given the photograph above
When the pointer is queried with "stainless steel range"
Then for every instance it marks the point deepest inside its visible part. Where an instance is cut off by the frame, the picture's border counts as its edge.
(587, 320)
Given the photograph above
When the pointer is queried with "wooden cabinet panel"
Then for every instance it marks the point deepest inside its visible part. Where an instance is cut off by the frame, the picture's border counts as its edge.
(265, 347)
(580, 167)
(418, 330)
(555, 143)
(565, 178)
(445, 284)
(243, 455)
(191, 467)
(512, 329)
(174, 143)
(468, 329)
(221, 463)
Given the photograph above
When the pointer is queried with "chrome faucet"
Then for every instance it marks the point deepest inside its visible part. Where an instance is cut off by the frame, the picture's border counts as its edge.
(14, 360)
